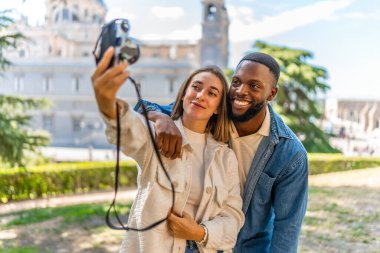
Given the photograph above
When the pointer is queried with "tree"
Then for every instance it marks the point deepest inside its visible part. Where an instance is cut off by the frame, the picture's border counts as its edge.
(18, 140)
(299, 85)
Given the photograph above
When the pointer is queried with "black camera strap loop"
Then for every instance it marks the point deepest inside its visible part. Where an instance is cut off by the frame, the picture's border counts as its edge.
(117, 169)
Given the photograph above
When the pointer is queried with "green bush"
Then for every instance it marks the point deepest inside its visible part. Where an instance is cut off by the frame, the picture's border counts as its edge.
(325, 163)
(63, 178)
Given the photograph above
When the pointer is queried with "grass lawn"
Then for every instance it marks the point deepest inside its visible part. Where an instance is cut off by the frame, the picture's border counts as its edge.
(341, 219)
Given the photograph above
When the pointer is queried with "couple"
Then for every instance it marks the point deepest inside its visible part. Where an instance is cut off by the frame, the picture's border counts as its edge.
(211, 206)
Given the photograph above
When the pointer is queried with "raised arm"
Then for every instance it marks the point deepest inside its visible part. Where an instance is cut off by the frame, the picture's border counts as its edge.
(106, 84)
(168, 137)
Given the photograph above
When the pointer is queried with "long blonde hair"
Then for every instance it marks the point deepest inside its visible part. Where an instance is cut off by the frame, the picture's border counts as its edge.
(218, 124)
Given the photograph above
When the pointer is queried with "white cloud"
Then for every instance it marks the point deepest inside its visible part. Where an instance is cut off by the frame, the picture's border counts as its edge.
(363, 16)
(244, 26)
(193, 33)
(167, 12)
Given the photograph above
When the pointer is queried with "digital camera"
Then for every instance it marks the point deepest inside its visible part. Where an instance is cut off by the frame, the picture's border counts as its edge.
(116, 34)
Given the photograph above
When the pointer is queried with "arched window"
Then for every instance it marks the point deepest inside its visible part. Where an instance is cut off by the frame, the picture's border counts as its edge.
(75, 17)
(211, 12)
(65, 14)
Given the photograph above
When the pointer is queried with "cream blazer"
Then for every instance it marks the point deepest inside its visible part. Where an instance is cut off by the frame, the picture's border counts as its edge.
(221, 203)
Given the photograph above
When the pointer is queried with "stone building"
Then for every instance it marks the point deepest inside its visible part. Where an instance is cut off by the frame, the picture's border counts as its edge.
(355, 123)
(56, 63)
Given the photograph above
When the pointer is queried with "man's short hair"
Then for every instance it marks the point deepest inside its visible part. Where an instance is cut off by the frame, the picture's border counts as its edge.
(264, 59)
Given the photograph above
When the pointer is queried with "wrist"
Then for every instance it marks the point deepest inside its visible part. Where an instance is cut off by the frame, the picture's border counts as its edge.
(156, 116)
(203, 235)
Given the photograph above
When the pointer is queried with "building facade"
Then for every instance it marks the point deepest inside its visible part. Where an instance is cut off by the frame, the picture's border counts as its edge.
(56, 63)
(355, 125)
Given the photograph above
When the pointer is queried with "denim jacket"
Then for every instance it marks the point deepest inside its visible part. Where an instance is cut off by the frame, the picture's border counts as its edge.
(275, 193)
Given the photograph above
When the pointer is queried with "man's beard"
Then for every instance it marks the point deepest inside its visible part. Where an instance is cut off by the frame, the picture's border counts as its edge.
(249, 114)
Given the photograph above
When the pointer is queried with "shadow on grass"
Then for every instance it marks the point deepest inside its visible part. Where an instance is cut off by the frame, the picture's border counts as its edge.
(77, 228)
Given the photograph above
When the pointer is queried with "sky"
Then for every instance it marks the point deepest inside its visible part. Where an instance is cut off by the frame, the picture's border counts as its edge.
(343, 35)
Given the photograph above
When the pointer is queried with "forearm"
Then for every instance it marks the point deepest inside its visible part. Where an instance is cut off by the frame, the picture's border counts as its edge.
(155, 116)
(133, 133)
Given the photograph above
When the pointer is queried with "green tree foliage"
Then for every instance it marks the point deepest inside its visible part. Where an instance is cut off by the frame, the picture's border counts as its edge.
(299, 85)
(18, 140)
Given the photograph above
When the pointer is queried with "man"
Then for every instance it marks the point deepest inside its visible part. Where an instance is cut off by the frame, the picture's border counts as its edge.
(273, 164)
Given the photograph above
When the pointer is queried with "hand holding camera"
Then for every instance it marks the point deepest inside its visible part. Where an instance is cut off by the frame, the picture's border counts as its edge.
(116, 50)
(107, 82)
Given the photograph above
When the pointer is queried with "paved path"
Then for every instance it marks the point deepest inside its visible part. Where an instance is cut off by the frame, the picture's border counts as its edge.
(97, 197)
(364, 177)
(355, 178)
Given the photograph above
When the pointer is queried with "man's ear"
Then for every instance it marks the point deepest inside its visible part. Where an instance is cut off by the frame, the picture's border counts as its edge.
(272, 94)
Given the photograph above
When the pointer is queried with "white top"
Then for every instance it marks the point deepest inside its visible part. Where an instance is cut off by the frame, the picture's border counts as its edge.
(197, 143)
(220, 207)
(245, 147)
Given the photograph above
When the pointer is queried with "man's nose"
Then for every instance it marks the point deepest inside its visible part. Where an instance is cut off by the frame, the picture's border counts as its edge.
(242, 89)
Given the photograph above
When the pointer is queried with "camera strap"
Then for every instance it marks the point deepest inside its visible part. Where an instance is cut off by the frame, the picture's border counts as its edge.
(121, 226)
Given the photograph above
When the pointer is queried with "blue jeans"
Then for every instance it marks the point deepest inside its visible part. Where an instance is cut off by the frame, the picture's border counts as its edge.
(191, 247)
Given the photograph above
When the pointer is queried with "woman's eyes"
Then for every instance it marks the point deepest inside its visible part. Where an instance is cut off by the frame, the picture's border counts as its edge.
(196, 87)
(211, 93)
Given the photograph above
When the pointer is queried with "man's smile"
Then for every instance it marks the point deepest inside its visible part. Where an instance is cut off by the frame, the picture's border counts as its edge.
(241, 103)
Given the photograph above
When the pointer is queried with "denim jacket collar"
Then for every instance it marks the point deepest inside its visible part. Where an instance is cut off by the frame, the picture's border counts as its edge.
(277, 127)
(277, 130)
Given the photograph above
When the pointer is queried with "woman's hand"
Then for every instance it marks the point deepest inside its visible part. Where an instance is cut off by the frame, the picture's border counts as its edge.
(185, 227)
(107, 82)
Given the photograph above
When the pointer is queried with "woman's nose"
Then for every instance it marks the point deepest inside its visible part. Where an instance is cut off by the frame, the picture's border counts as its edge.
(200, 95)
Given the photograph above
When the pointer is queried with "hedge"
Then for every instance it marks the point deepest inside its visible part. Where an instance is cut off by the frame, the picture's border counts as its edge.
(63, 178)
(325, 163)
(69, 178)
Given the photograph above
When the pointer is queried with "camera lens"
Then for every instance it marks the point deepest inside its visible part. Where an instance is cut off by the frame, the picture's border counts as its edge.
(125, 26)
(118, 41)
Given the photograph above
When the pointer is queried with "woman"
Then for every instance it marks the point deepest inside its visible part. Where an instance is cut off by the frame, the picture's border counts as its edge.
(207, 212)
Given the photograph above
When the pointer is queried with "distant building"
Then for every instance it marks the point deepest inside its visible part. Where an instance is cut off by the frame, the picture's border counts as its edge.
(355, 123)
(56, 63)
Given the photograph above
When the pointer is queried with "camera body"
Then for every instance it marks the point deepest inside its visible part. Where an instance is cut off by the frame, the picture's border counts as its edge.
(116, 34)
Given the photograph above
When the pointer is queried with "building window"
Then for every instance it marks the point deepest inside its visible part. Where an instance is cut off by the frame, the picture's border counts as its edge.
(47, 84)
(77, 123)
(21, 54)
(76, 84)
(171, 85)
(47, 122)
(19, 83)
(75, 17)
(211, 13)
(65, 14)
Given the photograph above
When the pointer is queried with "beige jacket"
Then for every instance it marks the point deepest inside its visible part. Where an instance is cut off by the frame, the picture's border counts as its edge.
(220, 206)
